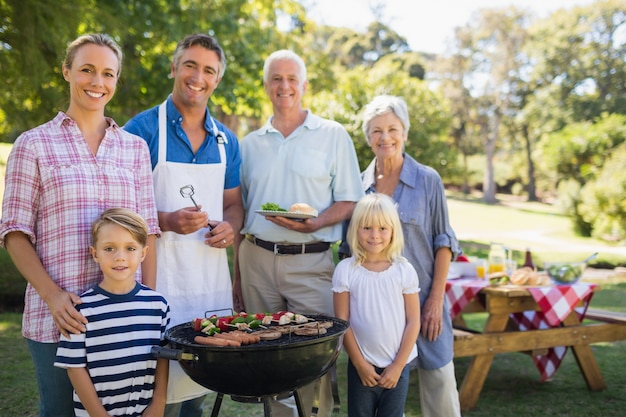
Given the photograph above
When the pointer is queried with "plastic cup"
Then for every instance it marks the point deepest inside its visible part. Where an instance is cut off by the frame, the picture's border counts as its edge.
(511, 266)
(481, 268)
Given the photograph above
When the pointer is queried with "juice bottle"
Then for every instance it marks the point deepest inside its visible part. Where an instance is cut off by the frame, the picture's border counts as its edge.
(497, 258)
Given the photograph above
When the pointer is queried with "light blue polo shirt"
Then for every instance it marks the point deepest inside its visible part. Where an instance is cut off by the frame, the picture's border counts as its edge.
(316, 164)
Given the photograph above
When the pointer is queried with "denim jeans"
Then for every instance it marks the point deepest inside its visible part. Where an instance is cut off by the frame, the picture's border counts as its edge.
(376, 401)
(189, 408)
(55, 388)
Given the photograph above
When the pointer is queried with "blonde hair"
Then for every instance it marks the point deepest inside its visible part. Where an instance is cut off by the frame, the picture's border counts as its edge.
(100, 39)
(376, 210)
(128, 219)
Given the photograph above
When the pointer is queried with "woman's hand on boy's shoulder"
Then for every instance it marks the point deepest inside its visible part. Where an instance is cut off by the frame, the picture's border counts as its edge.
(66, 317)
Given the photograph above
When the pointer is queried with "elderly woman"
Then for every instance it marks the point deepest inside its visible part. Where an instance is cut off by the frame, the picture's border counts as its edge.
(430, 244)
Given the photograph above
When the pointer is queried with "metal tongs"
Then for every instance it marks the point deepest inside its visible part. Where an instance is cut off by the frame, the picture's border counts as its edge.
(187, 191)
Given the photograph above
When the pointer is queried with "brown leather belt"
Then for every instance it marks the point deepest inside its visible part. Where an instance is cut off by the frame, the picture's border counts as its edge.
(289, 249)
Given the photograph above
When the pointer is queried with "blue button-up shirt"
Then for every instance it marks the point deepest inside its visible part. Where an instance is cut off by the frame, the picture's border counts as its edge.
(146, 125)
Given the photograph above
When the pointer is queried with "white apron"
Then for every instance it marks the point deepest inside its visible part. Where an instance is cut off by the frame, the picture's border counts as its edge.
(192, 276)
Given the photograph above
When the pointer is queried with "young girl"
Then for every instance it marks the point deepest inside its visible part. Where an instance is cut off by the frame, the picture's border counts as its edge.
(376, 290)
(110, 365)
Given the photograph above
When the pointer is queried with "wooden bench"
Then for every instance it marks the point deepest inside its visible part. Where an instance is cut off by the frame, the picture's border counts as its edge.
(462, 333)
(606, 316)
(611, 327)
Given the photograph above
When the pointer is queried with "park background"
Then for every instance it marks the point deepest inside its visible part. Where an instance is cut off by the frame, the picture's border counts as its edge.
(516, 103)
(524, 117)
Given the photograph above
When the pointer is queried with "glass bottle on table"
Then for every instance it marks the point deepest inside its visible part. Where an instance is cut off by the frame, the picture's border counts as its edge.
(497, 258)
(528, 260)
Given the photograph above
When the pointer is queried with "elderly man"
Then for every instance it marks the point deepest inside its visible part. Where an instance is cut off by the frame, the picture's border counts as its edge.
(297, 157)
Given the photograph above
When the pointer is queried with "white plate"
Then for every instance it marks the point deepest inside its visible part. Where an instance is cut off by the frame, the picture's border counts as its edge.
(462, 269)
(288, 214)
(453, 275)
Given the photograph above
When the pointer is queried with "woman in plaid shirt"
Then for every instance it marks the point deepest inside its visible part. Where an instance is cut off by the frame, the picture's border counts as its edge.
(60, 176)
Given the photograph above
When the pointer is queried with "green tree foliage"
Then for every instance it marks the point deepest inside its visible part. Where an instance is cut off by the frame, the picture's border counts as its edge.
(145, 32)
(429, 116)
(579, 61)
(515, 89)
(33, 38)
(381, 40)
(579, 97)
(579, 150)
(578, 157)
(34, 35)
(150, 30)
(350, 49)
(483, 77)
(603, 205)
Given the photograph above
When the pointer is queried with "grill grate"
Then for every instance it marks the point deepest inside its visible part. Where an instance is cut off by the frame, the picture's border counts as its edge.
(184, 334)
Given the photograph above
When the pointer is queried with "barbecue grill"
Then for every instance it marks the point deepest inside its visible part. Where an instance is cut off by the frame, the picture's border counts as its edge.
(269, 369)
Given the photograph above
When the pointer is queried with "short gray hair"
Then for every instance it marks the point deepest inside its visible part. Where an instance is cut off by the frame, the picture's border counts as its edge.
(205, 41)
(280, 55)
(384, 104)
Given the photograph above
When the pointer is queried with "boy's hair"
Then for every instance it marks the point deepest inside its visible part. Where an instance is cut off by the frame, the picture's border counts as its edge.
(376, 210)
(205, 41)
(128, 219)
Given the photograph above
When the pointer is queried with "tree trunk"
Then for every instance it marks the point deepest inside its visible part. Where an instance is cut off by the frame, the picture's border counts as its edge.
(490, 136)
(531, 188)
(459, 140)
(466, 185)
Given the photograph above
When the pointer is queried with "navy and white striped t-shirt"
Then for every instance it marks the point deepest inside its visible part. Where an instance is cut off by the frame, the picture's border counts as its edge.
(116, 347)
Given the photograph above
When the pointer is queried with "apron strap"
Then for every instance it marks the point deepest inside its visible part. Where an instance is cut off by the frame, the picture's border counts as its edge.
(221, 140)
(162, 132)
(220, 136)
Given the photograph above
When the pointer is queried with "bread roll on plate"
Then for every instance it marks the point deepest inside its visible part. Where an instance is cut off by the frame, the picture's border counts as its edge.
(302, 208)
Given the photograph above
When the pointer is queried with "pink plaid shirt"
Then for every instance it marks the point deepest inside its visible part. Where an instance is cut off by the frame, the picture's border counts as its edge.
(55, 188)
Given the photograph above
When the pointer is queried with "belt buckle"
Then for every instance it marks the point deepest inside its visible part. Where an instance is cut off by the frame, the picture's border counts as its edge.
(276, 253)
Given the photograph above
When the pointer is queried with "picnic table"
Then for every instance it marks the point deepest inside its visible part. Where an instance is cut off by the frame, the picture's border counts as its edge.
(542, 321)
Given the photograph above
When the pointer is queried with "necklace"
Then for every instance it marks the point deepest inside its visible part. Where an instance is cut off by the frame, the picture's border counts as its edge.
(380, 172)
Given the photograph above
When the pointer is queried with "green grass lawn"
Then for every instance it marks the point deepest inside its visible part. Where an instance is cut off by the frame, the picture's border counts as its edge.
(512, 388)
(518, 226)
(18, 392)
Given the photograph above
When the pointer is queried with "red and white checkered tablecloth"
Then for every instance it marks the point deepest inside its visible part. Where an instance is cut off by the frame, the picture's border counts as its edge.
(555, 302)
(461, 291)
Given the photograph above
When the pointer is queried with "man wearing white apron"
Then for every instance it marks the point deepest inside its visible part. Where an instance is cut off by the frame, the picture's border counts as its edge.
(195, 164)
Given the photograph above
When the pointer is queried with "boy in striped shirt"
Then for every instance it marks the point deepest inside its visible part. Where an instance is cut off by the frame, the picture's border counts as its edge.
(110, 365)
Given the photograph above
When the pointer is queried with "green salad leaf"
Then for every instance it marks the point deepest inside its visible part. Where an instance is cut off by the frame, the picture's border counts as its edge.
(272, 207)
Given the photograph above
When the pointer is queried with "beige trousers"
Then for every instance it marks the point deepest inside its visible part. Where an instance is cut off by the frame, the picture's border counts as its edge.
(301, 284)
(438, 392)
